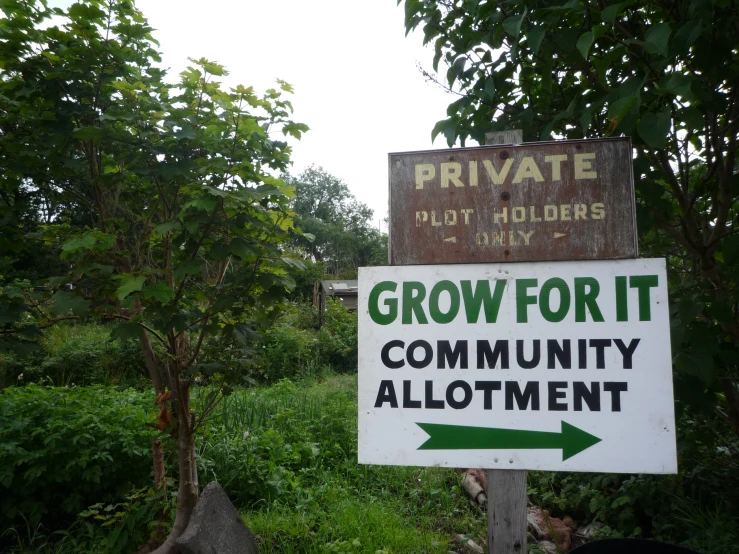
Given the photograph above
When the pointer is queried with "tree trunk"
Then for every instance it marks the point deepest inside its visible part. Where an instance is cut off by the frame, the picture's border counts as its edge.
(187, 492)
(160, 487)
(151, 362)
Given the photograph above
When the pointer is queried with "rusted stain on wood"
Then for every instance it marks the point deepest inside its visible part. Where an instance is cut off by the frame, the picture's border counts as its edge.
(564, 200)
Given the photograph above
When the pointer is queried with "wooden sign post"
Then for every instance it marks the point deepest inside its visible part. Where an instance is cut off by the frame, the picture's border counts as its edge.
(507, 498)
(466, 360)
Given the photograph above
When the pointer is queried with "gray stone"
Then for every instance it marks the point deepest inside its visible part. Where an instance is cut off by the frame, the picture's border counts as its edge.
(216, 527)
(549, 547)
(468, 544)
(593, 531)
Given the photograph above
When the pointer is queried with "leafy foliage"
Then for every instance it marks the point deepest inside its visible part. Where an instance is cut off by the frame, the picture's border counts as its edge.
(663, 73)
(293, 348)
(62, 449)
(338, 230)
(76, 355)
(160, 198)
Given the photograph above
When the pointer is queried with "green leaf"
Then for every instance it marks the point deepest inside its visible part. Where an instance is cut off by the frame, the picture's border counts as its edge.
(189, 267)
(203, 203)
(125, 331)
(512, 25)
(658, 36)
(65, 302)
(447, 127)
(655, 128)
(679, 85)
(167, 226)
(130, 283)
(160, 292)
(489, 88)
(584, 43)
(534, 37)
(686, 36)
(609, 14)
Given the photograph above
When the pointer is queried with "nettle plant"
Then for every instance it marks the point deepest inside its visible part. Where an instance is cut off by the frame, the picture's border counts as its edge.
(165, 203)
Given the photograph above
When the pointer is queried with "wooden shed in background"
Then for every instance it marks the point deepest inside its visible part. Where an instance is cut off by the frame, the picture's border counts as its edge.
(344, 291)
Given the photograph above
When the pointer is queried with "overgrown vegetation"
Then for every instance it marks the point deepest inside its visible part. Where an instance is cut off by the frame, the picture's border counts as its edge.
(135, 210)
(286, 455)
(62, 449)
(76, 355)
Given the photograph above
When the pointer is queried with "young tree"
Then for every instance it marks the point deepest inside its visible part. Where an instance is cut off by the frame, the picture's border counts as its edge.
(664, 73)
(165, 204)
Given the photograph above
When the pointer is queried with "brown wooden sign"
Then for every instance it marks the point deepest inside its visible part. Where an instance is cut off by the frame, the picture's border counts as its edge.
(565, 200)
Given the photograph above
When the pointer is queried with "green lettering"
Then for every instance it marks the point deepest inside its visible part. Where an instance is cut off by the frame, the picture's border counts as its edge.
(412, 302)
(564, 299)
(585, 299)
(391, 303)
(622, 305)
(436, 314)
(523, 300)
(473, 301)
(643, 283)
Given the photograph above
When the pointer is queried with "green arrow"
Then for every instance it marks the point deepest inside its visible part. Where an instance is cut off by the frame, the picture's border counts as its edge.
(460, 437)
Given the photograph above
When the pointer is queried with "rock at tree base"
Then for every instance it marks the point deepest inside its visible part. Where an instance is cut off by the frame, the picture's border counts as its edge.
(216, 527)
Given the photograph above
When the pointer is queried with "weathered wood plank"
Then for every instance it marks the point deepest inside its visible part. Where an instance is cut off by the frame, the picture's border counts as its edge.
(512, 136)
(506, 511)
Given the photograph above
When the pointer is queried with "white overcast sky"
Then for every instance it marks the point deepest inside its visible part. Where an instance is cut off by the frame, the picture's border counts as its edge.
(353, 69)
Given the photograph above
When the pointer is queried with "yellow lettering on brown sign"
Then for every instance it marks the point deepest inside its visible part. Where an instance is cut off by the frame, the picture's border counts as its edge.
(582, 166)
(528, 169)
(450, 172)
(555, 161)
(495, 177)
(597, 211)
(473, 173)
(502, 215)
(424, 172)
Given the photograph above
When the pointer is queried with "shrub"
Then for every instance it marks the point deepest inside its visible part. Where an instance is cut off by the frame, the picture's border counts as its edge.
(337, 339)
(288, 351)
(63, 449)
(76, 354)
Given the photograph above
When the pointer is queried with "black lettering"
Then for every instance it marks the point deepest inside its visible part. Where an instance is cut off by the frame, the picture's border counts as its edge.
(627, 351)
(458, 405)
(487, 387)
(555, 393)
(445, 354)
(562, 353)
(385, 354)
(411, 354)
(522, 361)
(531, 392)
(430, 403)
(490, 356)
(600, 346)
(615, 388)
(591, 396)
(386, 394)
(582, 353)
(407, 401)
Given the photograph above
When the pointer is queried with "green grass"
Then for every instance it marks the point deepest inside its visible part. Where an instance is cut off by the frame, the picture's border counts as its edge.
(287, 457)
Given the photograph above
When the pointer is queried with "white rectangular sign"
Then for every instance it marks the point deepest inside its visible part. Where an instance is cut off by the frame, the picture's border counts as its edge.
(541, 366)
